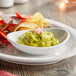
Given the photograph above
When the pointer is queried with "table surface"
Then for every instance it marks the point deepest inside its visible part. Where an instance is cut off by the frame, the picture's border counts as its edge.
(48, 8)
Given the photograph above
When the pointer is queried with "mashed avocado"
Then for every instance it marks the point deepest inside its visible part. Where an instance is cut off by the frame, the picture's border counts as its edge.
(43, 39)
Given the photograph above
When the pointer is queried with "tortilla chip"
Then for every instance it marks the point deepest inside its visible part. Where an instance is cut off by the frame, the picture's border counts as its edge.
(25, 25)
(39, 20)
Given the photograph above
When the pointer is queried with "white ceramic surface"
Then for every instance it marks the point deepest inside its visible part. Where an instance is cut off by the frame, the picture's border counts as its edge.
(20, 1)
(60, 34)
(43, 60)
(6, 3)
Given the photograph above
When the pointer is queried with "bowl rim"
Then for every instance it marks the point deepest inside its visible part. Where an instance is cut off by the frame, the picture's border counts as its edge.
(60, 44)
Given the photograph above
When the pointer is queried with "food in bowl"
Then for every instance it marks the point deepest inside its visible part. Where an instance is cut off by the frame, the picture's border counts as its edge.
(38, 38)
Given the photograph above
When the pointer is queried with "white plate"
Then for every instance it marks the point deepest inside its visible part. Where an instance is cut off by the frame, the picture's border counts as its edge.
(21, 58)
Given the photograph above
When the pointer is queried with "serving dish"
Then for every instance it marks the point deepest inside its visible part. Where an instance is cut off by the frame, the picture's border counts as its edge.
(60, 34)
(15, 56)
(6, 3)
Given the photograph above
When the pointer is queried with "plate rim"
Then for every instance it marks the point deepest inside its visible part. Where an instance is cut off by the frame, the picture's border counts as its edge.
(34, 60)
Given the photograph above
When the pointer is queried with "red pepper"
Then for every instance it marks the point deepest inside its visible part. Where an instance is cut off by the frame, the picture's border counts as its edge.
(3, 34)
(1, 21)
(18, 15)
(23, 17)
(3, 38)
(5, 41)
(6, 27)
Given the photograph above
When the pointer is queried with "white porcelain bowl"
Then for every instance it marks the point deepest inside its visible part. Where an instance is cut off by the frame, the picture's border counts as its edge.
(6, 3)
(62, 35)
(20, 1)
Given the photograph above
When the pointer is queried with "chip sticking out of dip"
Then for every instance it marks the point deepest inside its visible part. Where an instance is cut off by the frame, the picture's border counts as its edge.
(25, 26)
(39, 20)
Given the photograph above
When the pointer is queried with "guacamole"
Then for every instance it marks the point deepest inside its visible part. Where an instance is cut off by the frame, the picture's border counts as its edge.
(43, 39)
